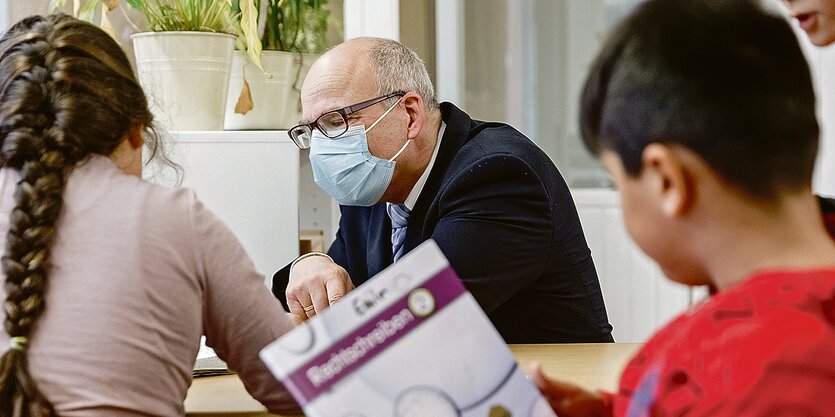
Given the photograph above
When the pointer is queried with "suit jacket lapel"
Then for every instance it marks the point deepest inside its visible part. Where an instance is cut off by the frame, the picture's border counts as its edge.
(379, 240)
(456, 134)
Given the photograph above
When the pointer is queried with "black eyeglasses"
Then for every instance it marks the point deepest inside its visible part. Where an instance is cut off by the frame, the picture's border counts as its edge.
(333, 123)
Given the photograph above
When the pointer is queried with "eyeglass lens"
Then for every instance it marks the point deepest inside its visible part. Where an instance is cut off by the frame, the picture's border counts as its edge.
(332, 124)
(301, 135)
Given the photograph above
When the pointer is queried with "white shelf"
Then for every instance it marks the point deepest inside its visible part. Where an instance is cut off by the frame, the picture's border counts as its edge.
(250, 180)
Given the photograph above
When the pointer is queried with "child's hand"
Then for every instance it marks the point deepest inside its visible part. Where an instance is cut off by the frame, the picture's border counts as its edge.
(567, 400)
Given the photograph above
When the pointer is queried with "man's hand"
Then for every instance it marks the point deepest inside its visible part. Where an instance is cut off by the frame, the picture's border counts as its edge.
(567, 400)
(316, 282)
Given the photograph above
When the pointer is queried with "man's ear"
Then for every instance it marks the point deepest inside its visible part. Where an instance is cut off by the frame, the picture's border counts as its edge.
(135, 135)
(417, 113)
(669, 178)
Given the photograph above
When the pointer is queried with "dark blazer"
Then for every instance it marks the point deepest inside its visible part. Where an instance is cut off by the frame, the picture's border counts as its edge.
(503, 216)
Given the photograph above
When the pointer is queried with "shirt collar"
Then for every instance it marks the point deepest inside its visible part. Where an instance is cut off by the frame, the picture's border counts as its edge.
(415, 193)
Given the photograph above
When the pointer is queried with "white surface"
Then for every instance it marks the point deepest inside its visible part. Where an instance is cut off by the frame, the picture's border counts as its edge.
(205, 351)
(639, 299)
(822, 62)
(825, 169)
(4, 16)
(449, 51)
(186, 77)
(250, 180)
(380, 18)
(13, 10)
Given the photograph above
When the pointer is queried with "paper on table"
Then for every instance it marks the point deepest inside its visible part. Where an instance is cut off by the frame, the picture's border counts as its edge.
(207, 363)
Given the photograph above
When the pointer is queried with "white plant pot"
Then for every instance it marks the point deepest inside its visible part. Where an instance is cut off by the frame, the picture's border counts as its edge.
(275, 91)
(186, 77)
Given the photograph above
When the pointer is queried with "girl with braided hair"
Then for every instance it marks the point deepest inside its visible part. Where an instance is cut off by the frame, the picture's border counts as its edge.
(109, 281)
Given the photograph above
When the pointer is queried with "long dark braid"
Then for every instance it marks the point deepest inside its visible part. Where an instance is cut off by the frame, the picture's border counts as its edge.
(66, 91)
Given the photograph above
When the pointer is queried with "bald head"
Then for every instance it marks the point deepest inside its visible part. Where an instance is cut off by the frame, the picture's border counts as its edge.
(338, 76)
(362, 68)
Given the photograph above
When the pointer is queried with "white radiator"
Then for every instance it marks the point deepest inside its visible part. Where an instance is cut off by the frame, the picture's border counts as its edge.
(639, 299)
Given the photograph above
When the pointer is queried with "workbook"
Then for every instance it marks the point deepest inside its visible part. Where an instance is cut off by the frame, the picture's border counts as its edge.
(410, 342)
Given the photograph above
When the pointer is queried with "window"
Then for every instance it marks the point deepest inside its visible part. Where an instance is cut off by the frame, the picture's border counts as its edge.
(518, 61)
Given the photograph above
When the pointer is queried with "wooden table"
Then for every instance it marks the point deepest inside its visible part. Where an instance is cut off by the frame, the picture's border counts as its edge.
(593, 366)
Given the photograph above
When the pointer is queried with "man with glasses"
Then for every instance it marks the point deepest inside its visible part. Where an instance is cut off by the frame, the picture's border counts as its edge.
(405, 169)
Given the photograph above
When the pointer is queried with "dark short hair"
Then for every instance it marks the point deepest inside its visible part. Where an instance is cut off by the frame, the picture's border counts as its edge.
(723, 78)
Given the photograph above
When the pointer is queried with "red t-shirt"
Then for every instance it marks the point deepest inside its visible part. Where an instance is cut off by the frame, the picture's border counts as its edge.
(763, 347)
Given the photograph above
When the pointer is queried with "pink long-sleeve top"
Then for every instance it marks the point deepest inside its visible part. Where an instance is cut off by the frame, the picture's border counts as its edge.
(138, 273)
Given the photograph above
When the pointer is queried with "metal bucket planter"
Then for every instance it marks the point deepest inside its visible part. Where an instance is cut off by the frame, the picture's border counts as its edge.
(186, 77)
(275, 91)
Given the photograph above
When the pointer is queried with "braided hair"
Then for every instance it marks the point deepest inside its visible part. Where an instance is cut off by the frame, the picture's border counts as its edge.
(66, 91)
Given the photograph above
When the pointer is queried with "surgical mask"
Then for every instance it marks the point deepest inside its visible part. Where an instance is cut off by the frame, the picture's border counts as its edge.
(345, 168)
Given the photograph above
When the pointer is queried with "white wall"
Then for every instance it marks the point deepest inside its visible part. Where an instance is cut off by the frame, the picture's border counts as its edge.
(639, 298)
(379, 18)
(250, 180)
(822, 62)
(13, 10)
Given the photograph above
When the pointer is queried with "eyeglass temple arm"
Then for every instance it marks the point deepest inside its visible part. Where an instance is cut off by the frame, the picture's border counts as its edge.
(373, 101)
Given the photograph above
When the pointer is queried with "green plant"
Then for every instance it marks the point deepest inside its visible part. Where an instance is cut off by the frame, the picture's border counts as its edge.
(282, 25)
(85, 9)
(165, 15)
(187, 15)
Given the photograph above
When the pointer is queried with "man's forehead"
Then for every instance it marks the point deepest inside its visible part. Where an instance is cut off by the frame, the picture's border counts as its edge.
(324, 100)
(331, 93)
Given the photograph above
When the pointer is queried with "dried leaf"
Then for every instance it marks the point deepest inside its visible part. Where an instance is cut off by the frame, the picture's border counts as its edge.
(244, 104)
(111, 4)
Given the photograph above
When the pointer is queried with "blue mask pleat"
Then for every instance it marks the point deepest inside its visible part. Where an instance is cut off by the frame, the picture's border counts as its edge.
(346, 170)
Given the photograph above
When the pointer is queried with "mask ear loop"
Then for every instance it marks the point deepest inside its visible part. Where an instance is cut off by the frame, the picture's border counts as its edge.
(384, 115)
(381, 118)
(408, 141)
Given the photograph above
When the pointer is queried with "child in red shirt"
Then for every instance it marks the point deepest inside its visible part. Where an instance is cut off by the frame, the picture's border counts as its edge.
(703, 112)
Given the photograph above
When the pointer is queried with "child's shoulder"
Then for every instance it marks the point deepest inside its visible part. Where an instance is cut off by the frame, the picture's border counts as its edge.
(772, 304)
(750, 340)
(768, 316)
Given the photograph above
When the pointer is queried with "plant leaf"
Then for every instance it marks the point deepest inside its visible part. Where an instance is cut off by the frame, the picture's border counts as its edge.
(249, 27)
(137, 4)
(245, 103)
(55, 4)
(188, 15)
(88, 11)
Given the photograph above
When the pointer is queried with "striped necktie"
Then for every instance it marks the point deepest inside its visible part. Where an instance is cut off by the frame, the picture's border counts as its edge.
(399, 214)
